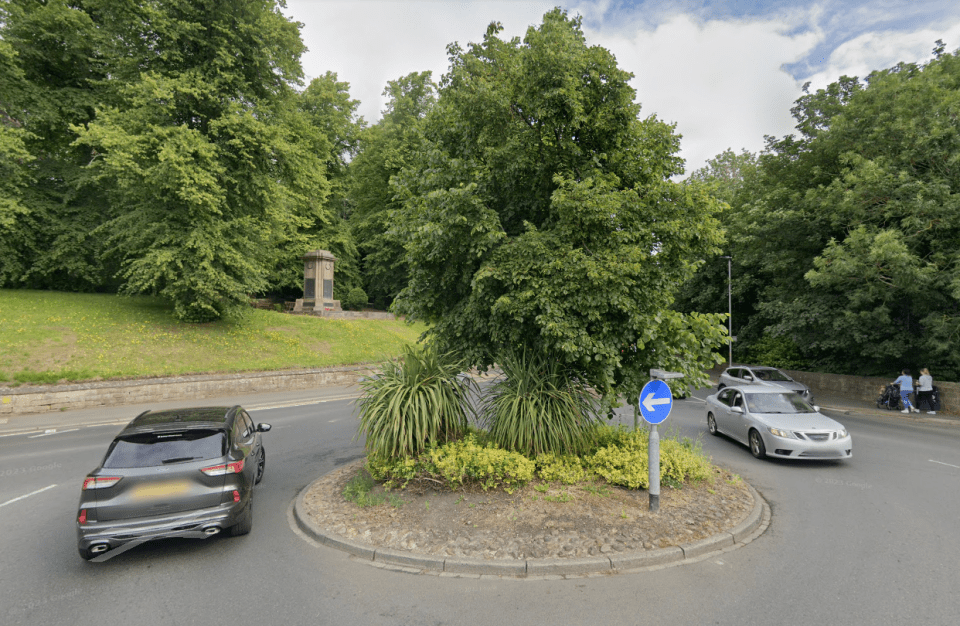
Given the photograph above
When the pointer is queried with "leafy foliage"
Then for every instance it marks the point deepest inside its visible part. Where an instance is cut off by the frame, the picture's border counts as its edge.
(418, 402)
(168, 151)
(540, 215)
(537, 408)
(845, 238)
(619, 456)
(387, 147)
(355, 300)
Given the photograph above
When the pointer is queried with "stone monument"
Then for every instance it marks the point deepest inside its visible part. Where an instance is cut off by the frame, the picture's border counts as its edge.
(317, 284)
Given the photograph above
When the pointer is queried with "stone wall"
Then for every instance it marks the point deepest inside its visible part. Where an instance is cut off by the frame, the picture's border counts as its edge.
(39, 399)
(867, 389)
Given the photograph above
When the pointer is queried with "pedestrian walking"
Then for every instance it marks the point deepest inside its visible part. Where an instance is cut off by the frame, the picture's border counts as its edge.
(925, 391)
(906, 388)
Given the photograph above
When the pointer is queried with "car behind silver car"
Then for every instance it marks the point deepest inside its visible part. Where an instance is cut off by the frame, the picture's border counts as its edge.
(777, 423)
(762, 375)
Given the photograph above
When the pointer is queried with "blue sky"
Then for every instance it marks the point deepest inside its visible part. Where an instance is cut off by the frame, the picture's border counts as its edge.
(726, 73)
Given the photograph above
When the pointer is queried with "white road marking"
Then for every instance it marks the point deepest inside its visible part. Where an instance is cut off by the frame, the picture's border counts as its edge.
(947, 464)
(26, 496)
(299, 403)
(52, 431)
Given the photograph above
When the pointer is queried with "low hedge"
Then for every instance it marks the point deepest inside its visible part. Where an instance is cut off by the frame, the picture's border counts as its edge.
(618, 456)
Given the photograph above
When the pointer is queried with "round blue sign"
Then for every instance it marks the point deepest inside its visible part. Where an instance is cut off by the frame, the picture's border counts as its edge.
(656, 400)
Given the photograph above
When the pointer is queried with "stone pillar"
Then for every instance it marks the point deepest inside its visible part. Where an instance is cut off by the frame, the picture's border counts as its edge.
(318, 283)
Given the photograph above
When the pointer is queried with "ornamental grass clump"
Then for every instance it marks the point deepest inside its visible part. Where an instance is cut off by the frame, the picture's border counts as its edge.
(538, 408)
(419, 402)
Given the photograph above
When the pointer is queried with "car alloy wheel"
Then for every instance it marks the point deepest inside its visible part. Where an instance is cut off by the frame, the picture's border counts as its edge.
(712, 424)
(261, 464)
(756, 445)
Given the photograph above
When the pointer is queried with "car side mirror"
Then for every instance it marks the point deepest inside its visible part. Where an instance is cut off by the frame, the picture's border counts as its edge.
(736, 409)
(263, 428)
(816, 408)
(747, 377)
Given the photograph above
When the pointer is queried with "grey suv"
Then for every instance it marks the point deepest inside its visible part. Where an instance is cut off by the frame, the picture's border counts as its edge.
(762, 375)
(177, 473)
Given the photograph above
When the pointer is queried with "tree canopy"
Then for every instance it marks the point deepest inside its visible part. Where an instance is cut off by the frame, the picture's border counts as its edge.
(540, 215)
(169, 150)
(847, 239)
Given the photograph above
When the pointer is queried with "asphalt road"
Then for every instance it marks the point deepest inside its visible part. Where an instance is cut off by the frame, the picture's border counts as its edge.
(872, 540)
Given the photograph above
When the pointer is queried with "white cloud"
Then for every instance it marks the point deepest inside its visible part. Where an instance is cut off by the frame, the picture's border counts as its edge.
(368, 43)
(880, 50)
(720, 82)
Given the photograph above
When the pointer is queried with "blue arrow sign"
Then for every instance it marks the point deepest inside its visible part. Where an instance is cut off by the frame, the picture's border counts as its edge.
(656, 400)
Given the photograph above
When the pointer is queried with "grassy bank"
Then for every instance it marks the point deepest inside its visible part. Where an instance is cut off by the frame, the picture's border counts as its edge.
(49, 337)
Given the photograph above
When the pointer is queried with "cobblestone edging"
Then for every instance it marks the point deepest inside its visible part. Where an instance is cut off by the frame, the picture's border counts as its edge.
(39, 399)
(749, 529)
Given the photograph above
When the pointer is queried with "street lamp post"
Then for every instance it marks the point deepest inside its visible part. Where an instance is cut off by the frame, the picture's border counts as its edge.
(729, 310)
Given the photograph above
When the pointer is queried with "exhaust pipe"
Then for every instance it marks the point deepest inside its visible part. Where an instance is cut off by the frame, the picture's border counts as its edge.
(100, 547)
(211, 530)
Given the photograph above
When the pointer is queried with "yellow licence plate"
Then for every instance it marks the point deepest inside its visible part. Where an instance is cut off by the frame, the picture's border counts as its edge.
(158, 491)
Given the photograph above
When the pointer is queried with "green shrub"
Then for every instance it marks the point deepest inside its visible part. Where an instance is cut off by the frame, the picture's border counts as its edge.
(621, 458)
(537, 407)
(467, 461)
(355, 299)
(456, 464)
(414, 404)
(626, 466)
(566, 469)
(358, 490)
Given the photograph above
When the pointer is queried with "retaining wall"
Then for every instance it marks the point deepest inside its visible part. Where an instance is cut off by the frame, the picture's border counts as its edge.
(867, 389)
(39, 399)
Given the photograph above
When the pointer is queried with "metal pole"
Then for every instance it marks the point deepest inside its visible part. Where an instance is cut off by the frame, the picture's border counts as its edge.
(729, 309)
(654, 463)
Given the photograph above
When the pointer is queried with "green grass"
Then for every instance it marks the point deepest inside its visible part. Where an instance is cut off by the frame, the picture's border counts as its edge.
(49, 337)
(359, 489)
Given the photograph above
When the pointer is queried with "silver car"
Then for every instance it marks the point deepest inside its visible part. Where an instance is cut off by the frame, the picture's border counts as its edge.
(777, 423)
(762, 375)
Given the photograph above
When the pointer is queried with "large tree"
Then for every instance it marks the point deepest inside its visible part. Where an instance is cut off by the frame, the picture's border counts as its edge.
(330, 127)
(847, 240)
(387, 147)
(540, 215)
(52, 78)
(208, 162)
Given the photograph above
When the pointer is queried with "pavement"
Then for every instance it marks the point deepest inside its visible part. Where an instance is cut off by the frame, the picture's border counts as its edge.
(851, 406)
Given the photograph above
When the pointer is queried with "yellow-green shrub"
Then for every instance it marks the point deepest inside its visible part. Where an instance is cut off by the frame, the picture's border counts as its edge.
(682, 461)
(566, 469)
(621, 465)
(467, 461)
(622, 459)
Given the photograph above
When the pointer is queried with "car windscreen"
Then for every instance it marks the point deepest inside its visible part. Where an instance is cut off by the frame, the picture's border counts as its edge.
(156, 449)
(777, 403)
(772, 375)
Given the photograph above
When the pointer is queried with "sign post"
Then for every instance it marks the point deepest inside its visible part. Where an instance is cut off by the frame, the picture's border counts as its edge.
(656, 401)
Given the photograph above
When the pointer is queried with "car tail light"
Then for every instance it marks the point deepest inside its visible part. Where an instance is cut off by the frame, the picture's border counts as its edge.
(223, 468)
(100, 482)
(83, 516)
(236, 496)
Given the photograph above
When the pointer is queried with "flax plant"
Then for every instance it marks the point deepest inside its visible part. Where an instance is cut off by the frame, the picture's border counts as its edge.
(537, 407)
(421, 400)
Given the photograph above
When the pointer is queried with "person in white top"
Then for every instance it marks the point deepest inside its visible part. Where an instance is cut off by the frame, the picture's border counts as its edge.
(925, 390)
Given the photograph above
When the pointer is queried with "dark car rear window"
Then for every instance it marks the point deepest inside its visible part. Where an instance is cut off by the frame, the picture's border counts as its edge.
(155, 449)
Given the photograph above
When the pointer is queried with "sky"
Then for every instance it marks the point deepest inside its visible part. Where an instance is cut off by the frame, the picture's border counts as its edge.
(725, 72)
